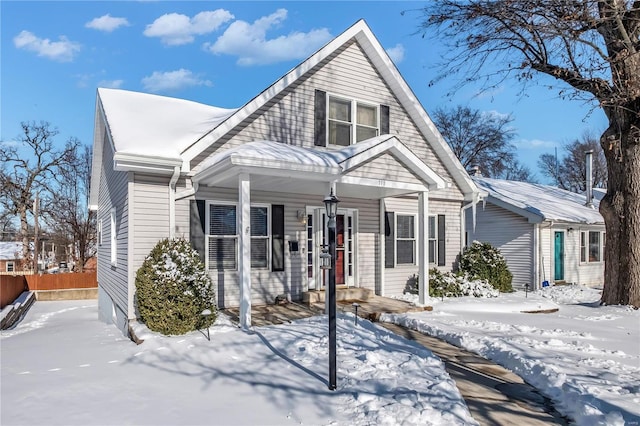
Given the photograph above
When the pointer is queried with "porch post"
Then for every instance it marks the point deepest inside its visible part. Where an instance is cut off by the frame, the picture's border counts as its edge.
(244, 249)
(423, 246)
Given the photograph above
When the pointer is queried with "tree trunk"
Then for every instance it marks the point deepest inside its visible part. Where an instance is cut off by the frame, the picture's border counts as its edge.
(621, 207)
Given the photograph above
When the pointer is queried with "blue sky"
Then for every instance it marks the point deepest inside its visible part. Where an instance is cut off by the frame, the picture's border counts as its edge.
(55, 54)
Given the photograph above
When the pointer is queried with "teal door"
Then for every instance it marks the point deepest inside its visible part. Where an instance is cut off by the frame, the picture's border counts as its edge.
(558, 258)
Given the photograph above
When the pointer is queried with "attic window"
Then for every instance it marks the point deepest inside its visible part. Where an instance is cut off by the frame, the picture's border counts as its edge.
(341, 121)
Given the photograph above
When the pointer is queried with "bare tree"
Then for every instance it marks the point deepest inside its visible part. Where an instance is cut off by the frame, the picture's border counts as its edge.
(591, 49)
(480, 139)
(26, 167)
(570, 172)
(68, 215)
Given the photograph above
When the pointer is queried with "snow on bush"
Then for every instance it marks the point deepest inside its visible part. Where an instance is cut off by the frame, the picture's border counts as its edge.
(173, 289)
(485, 262)
(449, 284)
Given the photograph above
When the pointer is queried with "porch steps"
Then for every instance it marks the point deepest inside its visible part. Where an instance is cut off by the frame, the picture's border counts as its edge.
(342, 294)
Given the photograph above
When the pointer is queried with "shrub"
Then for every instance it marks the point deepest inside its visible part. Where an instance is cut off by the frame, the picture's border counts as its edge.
(173, 288)
(450, 284)
(485, 262)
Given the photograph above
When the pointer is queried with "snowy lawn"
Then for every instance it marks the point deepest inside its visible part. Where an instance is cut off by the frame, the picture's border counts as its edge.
(585, 357)
(61, 366)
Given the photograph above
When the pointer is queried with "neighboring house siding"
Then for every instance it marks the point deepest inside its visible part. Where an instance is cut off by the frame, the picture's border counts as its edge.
(113, 193)
(289, 118)
(511, 234)
(265, 284)
(397, 278)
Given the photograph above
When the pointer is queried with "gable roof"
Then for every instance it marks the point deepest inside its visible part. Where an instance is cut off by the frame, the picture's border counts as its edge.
(176, 131)
(540, 203)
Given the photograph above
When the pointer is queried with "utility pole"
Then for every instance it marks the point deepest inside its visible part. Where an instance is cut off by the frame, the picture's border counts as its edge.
(36, 205)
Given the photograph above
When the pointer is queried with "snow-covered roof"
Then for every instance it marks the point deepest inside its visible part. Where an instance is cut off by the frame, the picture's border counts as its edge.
(145, 124)
(10, 250)
(540, 202)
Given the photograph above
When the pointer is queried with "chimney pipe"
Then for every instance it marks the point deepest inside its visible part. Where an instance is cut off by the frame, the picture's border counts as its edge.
(589, 176)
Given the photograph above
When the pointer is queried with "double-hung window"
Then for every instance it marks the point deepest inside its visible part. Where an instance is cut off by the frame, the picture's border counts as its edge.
(343, 121)
(405, 239)
(223, 237)
(400, 239)
(10, 266)
(591, 246)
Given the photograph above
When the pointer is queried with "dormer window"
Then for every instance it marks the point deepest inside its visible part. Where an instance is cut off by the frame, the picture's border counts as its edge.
(341, 121)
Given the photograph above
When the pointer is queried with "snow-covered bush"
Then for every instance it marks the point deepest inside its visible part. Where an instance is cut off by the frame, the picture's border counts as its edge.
(485, 262)
(173, 289)
(449, 284)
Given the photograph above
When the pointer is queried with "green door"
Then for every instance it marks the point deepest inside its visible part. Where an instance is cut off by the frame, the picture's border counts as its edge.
(558, 259)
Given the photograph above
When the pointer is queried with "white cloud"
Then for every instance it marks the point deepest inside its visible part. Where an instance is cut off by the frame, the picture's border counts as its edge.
(496, 114)
(172, 81)
(396, 53)
(111, 84)
(249, 41)
(107, 23)
(175, 29)
(62, 50)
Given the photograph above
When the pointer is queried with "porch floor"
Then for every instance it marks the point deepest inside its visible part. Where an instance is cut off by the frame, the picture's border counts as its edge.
(370, 308)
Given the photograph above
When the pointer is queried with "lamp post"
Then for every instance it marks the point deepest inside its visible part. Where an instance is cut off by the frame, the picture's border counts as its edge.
(331, 204)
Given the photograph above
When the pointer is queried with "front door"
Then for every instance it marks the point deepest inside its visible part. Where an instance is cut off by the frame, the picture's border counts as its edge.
(558, 259)
(318, 237)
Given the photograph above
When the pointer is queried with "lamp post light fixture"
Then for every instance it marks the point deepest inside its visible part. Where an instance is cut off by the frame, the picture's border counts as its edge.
(206, 313)
(331, 204)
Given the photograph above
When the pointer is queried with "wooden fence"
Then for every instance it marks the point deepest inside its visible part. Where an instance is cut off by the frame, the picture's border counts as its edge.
(11, 286)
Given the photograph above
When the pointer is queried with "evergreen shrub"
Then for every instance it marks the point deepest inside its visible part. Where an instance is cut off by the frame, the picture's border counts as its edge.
(173, 289)
(484, 262)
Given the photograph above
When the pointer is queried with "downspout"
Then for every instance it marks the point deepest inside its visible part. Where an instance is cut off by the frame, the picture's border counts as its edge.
(172, 201)
(537, 250)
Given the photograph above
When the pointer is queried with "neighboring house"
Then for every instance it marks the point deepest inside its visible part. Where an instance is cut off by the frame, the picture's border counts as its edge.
(10, 256)
(246, 186)
(545, 233)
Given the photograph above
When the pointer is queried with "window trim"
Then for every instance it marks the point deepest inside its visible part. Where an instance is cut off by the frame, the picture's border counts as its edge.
(414, 239)
(585, 245)
(353, 124)
(13, 266)
(114, 237)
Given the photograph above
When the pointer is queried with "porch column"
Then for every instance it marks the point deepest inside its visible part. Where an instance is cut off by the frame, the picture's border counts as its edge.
(423, 246)
(244, 249)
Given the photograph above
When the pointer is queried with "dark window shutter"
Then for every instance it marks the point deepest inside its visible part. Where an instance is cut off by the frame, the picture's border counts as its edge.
(196, 226)
(320, 127)
(442, 255)
(384, 119)
(389, 239)
(277, 237)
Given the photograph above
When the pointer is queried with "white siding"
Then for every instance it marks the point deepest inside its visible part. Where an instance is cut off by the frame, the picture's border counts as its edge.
(397, 278)
(113, 280)
(511, 234)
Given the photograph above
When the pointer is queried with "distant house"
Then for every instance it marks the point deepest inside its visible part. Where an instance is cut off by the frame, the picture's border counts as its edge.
(10, 256)
(545, 233)
(246, 185)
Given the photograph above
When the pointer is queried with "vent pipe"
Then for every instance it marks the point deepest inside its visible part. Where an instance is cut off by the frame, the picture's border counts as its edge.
(589, 178)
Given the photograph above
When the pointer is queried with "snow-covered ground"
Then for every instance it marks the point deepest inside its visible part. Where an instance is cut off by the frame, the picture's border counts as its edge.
(61, 365)
(584, 357)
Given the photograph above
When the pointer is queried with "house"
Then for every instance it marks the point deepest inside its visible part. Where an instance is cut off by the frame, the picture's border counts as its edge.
(10, 256)
(545, 233)
(246, 185)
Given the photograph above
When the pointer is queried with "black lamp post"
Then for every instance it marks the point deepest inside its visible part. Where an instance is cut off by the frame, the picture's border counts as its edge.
(331, 204)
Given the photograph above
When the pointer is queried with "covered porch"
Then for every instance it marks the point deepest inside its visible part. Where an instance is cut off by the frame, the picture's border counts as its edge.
(273, 167)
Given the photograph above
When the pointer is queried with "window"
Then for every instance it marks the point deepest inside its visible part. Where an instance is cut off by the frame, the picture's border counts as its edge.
(114, 239)
(223, 237)
(405, 239)
(99, 236)
(341, 121)
(437, 241)
(11, 266)
(591, 246)
(343, 129)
